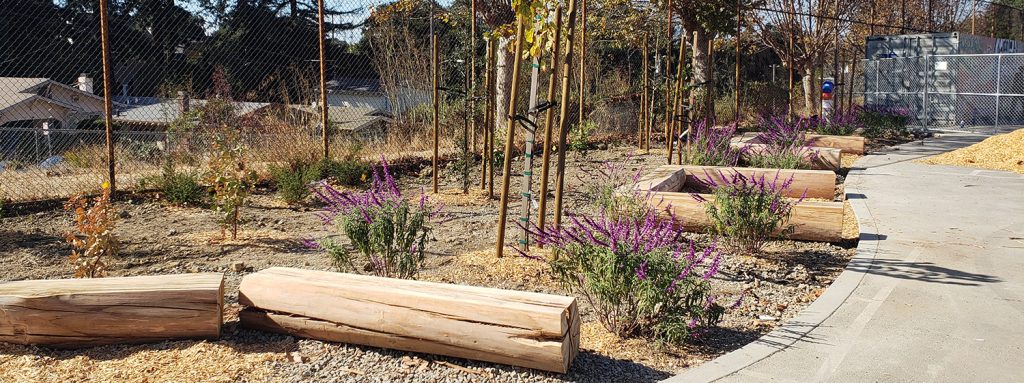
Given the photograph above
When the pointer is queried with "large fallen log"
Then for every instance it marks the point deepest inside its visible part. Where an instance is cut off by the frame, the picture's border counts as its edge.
(86, 312)
(817, 183)
(811, 220)
(532, 330)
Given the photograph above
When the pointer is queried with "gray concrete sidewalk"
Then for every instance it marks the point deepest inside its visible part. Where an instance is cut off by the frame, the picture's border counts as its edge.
(935, 293)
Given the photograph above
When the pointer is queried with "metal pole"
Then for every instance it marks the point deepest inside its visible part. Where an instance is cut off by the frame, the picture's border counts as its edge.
(510, 135)
(549, 118)
(531, 137)
(999, 80)
(324, 116)
(436, 105)
(853, 82)
(563, 112)
(492, 125)
(107, 102)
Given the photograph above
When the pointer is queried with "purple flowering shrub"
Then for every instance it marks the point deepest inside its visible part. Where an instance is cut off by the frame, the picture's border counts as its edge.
(842, 123)
(748, 211)
(784, 145)
(637, 273)
(711, 146)
(387, 231)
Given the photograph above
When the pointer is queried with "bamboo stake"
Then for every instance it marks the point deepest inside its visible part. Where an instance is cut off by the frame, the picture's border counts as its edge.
(563, 112)
(677, 109)
(549, 118)
(510, 136)
(486, 150)
(792, 31)
(107, 102)
(645, 139)
(473, 95)
(691, 115)
(668, 85)
(583, 61)
(434, 66)
(709, 99)
(739, 26)
(324, 110)
(492, 126)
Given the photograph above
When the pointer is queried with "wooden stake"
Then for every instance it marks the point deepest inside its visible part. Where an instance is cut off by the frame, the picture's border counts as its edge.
(493, 123)
(583, 62)
(974, 17)
(324, 115)
(485, 154)
(435, 75)
(853, 84)
(681, 93)
(563, 112)
(645, 128)
(709, 95)
(107, 102)
(549, 118)
(739, 26)
(473, 94)
(668, 85)
(510, 135)
(792, 31)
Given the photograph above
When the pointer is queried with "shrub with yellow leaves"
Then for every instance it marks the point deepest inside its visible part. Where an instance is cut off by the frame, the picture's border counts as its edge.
(92, 238)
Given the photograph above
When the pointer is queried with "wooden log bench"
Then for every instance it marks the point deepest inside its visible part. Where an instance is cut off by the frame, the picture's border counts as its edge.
(68, 313)
(820, 184)
(525, 329)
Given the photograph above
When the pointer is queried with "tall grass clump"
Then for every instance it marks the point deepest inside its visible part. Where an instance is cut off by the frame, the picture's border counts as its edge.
(711, 146)
(388, 233)
(784, 145)
(641, 277)
(612, 188)
(747, 212)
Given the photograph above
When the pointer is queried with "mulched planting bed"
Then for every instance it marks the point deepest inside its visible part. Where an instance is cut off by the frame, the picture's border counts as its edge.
(160, 239)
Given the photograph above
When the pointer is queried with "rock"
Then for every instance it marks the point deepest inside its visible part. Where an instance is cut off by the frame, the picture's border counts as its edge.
(172, 232)
(767, 318)
(124, 214)
(237, 266)
(297, 358)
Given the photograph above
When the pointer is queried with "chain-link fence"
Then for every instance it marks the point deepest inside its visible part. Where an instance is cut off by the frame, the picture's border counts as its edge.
(961, 92)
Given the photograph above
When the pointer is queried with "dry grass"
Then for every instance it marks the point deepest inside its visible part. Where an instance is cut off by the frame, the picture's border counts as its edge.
(1001, 152)
(183, 361)
(484, 268)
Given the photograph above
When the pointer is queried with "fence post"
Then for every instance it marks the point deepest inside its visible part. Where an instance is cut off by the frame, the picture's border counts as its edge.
(999, 78)
(324, 118)
(928, 68)
(107, 105)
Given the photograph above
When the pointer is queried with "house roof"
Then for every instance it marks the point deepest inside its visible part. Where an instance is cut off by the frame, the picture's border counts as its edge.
(167, 111)
(16, 90)
(346, 84)
(348, 118)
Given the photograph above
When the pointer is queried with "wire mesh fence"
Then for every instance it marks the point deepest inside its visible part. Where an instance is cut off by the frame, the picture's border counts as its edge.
(960, 92)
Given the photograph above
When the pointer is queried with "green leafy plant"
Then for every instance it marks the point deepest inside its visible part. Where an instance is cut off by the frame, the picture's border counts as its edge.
(387, 232)
(348, 171)
(638, 275)
(293, 181)
(748, 212)
(232, 183)
(612, 188)
(92, 239)
(884, 122)
(711, 146)
(579, 138)
(178, 187)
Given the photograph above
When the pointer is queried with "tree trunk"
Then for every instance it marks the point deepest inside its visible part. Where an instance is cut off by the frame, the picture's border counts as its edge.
(503, 83)
(808, 82)
(699, 62)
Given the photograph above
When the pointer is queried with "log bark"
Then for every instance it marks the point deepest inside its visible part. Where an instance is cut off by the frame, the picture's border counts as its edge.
(811, 220)
(519, 328)
(70, 313)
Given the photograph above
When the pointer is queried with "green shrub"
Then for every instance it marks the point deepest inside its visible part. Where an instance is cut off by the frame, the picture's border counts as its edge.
(347, 171)
(579, 138)
(611, 188)
(884, 122)
(182, 188)
(748, 212)
(293, 182)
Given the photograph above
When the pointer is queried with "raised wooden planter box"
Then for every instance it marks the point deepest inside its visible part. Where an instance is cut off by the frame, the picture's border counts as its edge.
(824, 159)
(525, 329)
(819, 184)
(846, 144)
(86, 312)
(811, 220)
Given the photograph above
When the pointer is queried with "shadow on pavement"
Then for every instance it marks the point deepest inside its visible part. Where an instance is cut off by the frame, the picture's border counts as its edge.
(919, 271)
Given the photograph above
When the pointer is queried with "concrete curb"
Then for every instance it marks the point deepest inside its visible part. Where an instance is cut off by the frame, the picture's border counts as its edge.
(807, 320)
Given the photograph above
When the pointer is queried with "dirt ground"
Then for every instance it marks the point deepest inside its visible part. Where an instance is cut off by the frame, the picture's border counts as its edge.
(160, 239)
